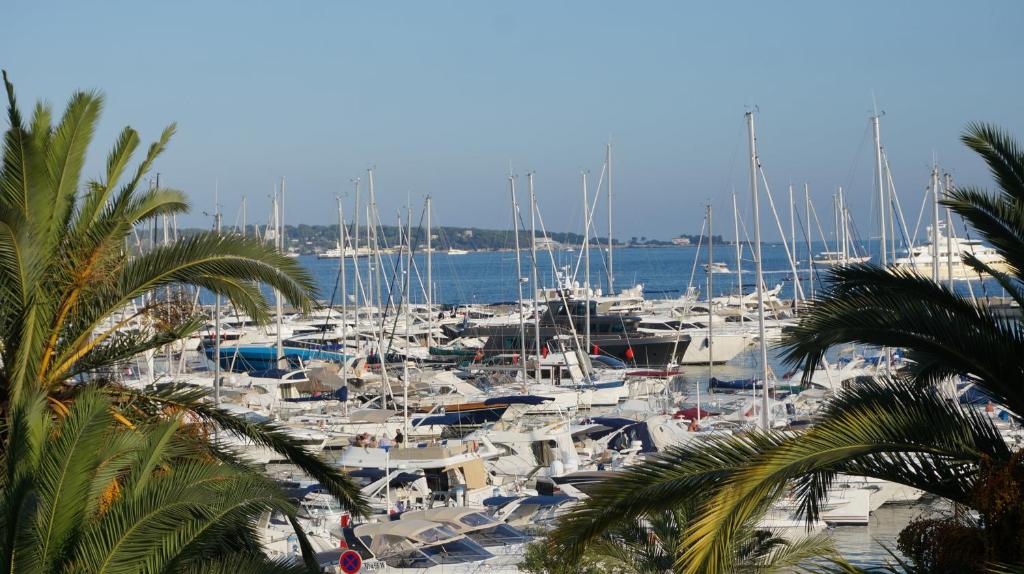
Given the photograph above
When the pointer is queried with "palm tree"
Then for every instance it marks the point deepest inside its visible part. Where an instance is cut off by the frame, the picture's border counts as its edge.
(68, 283)
(652, 544)
(899, 429)
(81, 493)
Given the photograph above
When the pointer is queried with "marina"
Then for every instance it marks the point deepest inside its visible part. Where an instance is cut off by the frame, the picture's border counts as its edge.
(524, 288)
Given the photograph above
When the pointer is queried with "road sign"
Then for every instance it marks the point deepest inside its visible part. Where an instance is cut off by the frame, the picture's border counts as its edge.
(350, 562)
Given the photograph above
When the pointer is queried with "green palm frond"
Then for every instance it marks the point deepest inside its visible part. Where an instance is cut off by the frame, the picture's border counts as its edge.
(944, 333)
(999, 221)
(266, 434)
(247, 563)
(1002, 155)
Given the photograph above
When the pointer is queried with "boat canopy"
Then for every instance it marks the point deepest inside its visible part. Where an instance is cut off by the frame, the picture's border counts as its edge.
(371, 415)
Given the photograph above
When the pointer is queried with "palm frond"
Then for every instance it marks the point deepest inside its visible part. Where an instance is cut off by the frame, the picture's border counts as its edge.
(945, 334)
(269, 435)
(1002, 155)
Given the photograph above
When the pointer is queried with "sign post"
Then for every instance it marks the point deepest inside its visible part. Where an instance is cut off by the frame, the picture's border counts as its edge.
(350, 562)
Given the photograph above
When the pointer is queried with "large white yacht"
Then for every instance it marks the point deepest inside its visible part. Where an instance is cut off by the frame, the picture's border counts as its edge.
(952, 250)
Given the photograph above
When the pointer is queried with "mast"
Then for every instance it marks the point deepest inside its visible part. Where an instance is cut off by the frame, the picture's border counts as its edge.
(430, 281)
(739, 246)
(519, 281)
(611, 264)
(533, 260)
(216, 310)
(355, 262)
(710, 274)
(279, 344)
(835, 213)
(344, 292)
(408, 320)
(765, 421)
(810, 252)
(935, 222)
(842, 227)
(881, 189)
(586, 259)
(792, 241)
(949, 233)
(372, 217)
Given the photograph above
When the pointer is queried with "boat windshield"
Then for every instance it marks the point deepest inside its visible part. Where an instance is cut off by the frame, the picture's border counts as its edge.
(458, 551)
(476, 519)
(499, 535)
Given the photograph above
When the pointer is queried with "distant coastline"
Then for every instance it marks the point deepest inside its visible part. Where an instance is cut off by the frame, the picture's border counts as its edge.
(314, 239)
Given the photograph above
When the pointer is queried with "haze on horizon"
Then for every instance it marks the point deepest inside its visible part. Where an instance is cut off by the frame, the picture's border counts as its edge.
(443, 96)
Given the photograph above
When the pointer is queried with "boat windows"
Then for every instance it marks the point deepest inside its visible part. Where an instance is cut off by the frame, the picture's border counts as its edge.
(500, 535)
(475, 519)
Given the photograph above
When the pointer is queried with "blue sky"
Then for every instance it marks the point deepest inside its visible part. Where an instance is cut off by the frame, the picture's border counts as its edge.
(441, 96)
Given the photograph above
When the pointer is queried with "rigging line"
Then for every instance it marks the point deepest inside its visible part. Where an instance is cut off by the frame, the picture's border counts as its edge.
(807, 237)
(590, 217)
(696, 258)
(561, 292)
(798, 289)
(920, 213)
(969, 281)
(908, 242)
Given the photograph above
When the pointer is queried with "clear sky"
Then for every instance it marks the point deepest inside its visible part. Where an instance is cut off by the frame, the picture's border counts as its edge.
(442, 96)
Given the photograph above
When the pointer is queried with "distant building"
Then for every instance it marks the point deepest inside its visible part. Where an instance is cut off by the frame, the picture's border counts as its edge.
(467, 233)
(680, 240)
(547, 243)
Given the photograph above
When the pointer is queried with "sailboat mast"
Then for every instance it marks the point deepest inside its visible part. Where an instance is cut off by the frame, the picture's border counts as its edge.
(519, 280)
(430, 280)
(355, 262)
(935, 222)
(792, 241)
(835, 213)
(843, 253)
(407, 297)
(881, 190)
(611, 261)
(810, 252)
(279, 344)
(765, 421)
(710, 274)
(739, 246)
(216, 312)
(344, 290)
(949, 232)
(533, 264)
(586, 260)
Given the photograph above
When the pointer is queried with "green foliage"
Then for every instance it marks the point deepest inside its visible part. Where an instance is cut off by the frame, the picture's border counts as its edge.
(83, 493)
(76, 299)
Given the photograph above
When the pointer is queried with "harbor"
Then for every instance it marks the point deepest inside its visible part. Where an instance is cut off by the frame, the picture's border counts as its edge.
(523, 288)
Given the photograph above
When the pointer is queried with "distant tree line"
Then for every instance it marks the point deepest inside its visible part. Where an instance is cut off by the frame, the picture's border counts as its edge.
(311, 239)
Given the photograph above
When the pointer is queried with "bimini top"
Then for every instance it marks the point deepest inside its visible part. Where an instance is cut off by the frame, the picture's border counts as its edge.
(464, 517)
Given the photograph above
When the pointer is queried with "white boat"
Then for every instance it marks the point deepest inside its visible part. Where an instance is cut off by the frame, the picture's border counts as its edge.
(716, 267)
(457, 252)
(421, 547)
(837, 258)
(474, 522)
(920, 257)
